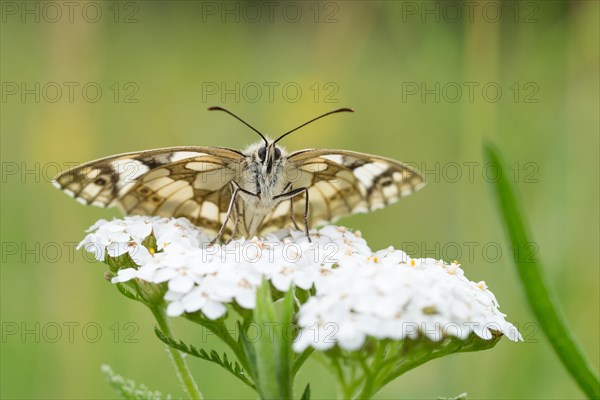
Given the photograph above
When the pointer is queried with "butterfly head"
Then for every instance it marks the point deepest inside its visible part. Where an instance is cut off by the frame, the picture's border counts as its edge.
(269, 156)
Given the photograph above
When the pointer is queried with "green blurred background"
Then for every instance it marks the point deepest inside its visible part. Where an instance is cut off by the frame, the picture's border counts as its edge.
(399, 64)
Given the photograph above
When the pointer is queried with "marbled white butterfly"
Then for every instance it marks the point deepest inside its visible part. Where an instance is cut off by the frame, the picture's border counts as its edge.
(247, 193)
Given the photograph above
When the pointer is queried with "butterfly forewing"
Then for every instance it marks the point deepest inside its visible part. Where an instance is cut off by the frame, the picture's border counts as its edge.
(341, 183)
(191, 182)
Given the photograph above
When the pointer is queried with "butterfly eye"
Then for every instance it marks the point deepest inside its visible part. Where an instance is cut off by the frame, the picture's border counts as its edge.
(277, 153)
(262, 153)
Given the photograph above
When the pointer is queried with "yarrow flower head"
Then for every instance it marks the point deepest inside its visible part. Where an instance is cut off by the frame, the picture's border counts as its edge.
(392, 296)
(338, 296)
(356, 293)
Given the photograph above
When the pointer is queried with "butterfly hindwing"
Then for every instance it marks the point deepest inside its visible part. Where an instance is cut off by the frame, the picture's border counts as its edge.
(197, 188)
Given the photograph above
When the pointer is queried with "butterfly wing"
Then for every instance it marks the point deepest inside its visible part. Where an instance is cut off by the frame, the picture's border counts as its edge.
(191, 182)
(341, 183)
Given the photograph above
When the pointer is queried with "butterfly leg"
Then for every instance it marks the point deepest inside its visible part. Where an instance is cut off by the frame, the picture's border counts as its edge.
(236, 218)
(227, 216)
(290, 195)
(236, 189)
(292, 217)
(292, 214)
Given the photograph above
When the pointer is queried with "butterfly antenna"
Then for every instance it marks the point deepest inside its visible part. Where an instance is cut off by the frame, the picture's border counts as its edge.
(242, 121)
(313, 120)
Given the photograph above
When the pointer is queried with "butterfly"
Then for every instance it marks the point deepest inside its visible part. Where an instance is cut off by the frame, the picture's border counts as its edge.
(247, 193)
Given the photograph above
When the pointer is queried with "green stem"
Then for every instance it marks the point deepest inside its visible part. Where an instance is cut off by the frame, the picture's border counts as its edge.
(372, 379)
(371, 385)
(539, 295)
(183, 371)
(341, 379)
(367, 389)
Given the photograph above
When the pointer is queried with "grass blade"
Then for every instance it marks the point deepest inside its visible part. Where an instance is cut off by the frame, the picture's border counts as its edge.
(540, 299)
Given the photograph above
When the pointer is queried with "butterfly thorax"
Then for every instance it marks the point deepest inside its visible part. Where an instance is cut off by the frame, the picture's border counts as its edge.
(262, 177)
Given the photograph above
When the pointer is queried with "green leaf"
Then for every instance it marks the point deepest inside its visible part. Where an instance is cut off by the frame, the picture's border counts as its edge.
(270, 353)
(249, 351)
(150, 243)
(300, 359)
(415, 352)
(231, 366)
(219, 328)
(128, 389)
(540, 298)
(120, 262)
(127, 291)
(266, 346)
(306, 393)
(284, 335)
(390, 359)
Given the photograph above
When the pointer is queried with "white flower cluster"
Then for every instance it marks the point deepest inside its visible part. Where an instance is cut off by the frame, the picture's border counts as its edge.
(121, 236)
(358, 293)
(391, 296)
(204, 277)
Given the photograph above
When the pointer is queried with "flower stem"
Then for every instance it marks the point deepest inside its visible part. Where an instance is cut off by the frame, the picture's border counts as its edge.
(183, 371)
